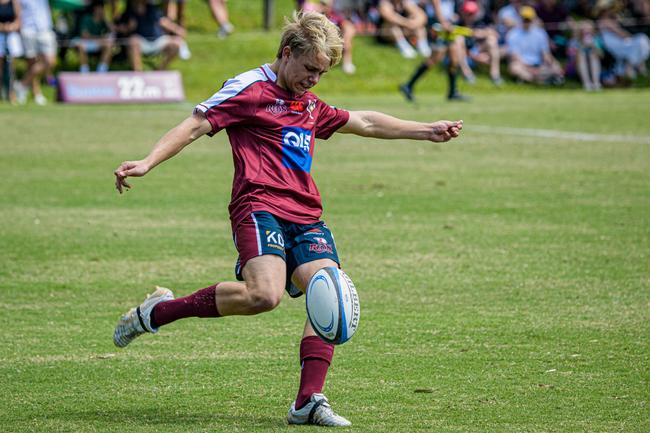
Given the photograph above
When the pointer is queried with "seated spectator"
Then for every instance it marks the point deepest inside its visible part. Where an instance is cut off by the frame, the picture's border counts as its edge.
(219, 12)
(630, 51)
(401, 20)
(483, 44)
(39, 44)
(147, 27)
(327, 8)
(585, 55)
(175, 11)
(529, 52)
(485, 13)
(9, 45)
(554, 16)
(95, 37)
(508, 17)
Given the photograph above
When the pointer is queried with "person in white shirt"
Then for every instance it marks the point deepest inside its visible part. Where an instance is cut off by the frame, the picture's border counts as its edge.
(39, 43)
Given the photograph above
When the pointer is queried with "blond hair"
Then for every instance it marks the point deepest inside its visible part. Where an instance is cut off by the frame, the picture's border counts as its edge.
(312, 33)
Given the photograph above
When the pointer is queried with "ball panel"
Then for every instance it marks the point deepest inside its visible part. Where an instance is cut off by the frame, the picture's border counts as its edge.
(322, 315)
(322, 305)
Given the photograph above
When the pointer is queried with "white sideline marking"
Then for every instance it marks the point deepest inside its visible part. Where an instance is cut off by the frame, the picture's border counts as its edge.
(552, 133)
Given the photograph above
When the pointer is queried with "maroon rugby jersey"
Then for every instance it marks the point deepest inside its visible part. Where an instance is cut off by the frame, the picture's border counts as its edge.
(272, 133)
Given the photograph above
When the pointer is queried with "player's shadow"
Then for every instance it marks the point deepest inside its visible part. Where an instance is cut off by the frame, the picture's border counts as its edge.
(157, 417)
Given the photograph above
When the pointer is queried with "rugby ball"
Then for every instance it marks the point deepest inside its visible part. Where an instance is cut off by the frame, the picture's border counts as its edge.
(333, 305)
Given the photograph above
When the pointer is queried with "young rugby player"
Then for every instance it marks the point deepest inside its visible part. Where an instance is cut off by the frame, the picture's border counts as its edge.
(272, 120)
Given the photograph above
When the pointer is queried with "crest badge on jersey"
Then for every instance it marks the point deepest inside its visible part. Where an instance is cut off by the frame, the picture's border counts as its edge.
(311, 106)
(278, 108)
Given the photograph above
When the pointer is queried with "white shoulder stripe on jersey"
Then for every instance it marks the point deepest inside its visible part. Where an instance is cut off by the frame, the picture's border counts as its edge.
(233, 87)
(269, 72)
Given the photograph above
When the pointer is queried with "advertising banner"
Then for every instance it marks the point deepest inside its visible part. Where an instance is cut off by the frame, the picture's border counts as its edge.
(120, 87)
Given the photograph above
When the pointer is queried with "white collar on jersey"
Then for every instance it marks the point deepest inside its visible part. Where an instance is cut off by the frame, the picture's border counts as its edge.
(269, 72)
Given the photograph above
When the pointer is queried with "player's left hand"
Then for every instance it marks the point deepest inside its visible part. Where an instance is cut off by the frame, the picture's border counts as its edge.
(126, 169)
(445, 130)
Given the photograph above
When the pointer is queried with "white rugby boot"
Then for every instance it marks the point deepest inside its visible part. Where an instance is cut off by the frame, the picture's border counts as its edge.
(138, 320)
(317, 412)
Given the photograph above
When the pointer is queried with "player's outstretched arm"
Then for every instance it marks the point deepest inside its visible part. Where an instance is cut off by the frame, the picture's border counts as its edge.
(380, 125)
(169, 145)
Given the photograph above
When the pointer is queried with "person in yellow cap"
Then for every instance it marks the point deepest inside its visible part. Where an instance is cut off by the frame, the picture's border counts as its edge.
(529, 52)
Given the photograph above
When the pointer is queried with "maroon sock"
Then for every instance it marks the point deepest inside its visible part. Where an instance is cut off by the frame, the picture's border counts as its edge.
(199, 304)
(315, 359)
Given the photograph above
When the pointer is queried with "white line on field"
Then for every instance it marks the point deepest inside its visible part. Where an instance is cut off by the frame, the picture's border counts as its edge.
(552, 133)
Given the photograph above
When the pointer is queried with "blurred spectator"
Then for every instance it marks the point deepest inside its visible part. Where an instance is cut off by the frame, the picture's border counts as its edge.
(483, 44)
(529, 52)
(442, 22)
(586, 55)
(95, 37)
(446, 44)
(39, 43)
(9, 45)
(335, 15)
(485, 12)
(581, 8)
(220, 14)
(554, 16)
(508, 17)
(175, 11)
(401, 20)
(146, 25)
(640, 11)
(630, 51)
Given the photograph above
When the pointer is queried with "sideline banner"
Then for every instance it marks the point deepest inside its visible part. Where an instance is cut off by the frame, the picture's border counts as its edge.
(120, 87)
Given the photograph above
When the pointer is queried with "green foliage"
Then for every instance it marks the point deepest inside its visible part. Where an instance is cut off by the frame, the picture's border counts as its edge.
(503, 278)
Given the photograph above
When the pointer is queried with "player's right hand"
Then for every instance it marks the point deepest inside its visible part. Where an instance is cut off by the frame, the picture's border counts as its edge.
(126, 169)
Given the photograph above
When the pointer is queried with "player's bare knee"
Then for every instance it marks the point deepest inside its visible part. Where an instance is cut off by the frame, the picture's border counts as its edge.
(263, 301)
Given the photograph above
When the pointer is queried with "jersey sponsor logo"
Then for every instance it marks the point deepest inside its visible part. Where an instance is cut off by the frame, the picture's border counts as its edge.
(278, 108)
(314, 232)
(296, 143)
(274, 240)
(297, 106)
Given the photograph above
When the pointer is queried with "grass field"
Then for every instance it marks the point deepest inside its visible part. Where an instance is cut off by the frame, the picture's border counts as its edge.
(504, 279)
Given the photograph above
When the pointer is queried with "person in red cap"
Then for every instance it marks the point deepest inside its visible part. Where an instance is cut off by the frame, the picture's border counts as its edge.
(483, 44)
(469, 7)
